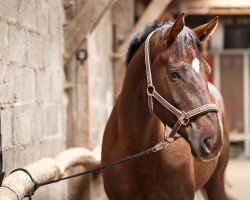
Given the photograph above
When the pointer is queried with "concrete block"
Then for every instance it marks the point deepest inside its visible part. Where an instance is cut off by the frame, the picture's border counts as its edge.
(22, 125)
(17, 44)
(3, 39)
(6, 128)
(55, 21)
(60, 188)
(51, 113)
(3, 84)
(9, 10)
(46, 52)
(55, 4)
(22, 157)
(9, 163)
(52, 54)
(57, 143)
(28, 86)
(35, 49)
(57, 191)
(55, 57)
(43, 85)
(43, 17)
(28, 13)
(26, 154)
(13, 81)
(18, 84)
(38, 122)
(57, 81)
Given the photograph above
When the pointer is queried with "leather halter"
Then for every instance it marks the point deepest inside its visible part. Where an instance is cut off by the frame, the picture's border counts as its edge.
(183, 117)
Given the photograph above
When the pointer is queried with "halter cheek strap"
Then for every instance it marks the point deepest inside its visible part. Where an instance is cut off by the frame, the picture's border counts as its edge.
(183, 117)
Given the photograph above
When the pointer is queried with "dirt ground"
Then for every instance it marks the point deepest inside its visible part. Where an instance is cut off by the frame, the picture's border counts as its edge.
(238, 179)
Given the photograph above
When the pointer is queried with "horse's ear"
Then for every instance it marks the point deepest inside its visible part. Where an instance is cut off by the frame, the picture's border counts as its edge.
(175, 29)
(205, 31)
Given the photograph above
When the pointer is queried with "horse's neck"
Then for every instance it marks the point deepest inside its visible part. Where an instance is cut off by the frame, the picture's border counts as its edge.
(135, 120)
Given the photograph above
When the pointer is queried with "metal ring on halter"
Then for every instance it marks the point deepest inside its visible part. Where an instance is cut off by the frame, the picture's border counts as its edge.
(150, 90)
(184, 119)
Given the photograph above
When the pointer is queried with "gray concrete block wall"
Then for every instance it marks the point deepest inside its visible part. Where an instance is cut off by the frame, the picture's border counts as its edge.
(33, 105)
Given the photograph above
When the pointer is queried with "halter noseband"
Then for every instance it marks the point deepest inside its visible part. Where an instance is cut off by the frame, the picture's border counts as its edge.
(183, 117)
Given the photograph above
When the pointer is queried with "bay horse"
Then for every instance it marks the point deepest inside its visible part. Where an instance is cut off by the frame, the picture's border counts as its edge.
(167, 59)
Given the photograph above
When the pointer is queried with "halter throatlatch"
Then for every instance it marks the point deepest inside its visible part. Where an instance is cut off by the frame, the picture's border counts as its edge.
(183, 117)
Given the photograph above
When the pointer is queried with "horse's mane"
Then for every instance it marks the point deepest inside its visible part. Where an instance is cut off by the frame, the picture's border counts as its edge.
(139, 38)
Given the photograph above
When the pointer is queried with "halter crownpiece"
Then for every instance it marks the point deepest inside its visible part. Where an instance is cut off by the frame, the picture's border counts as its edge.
(183, 117)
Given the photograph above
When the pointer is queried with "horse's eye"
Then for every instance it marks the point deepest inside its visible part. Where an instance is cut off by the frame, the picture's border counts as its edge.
(174, 75)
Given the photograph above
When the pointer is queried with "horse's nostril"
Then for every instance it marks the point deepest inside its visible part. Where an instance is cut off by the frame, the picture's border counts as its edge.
(206, 145)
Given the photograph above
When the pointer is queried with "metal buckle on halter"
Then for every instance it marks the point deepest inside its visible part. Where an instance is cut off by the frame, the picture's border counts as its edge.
(150, 90)
(184, 119)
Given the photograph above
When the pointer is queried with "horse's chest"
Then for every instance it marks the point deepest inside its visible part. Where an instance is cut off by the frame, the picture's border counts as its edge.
(150, 179)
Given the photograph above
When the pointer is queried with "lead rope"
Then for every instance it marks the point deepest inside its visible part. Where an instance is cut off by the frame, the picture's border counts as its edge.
(144, 153)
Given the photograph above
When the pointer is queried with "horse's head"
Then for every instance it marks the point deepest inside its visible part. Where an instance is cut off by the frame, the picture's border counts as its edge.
(180, 75)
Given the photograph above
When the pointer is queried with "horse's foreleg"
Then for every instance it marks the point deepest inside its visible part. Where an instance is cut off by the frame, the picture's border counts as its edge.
(215, 188)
